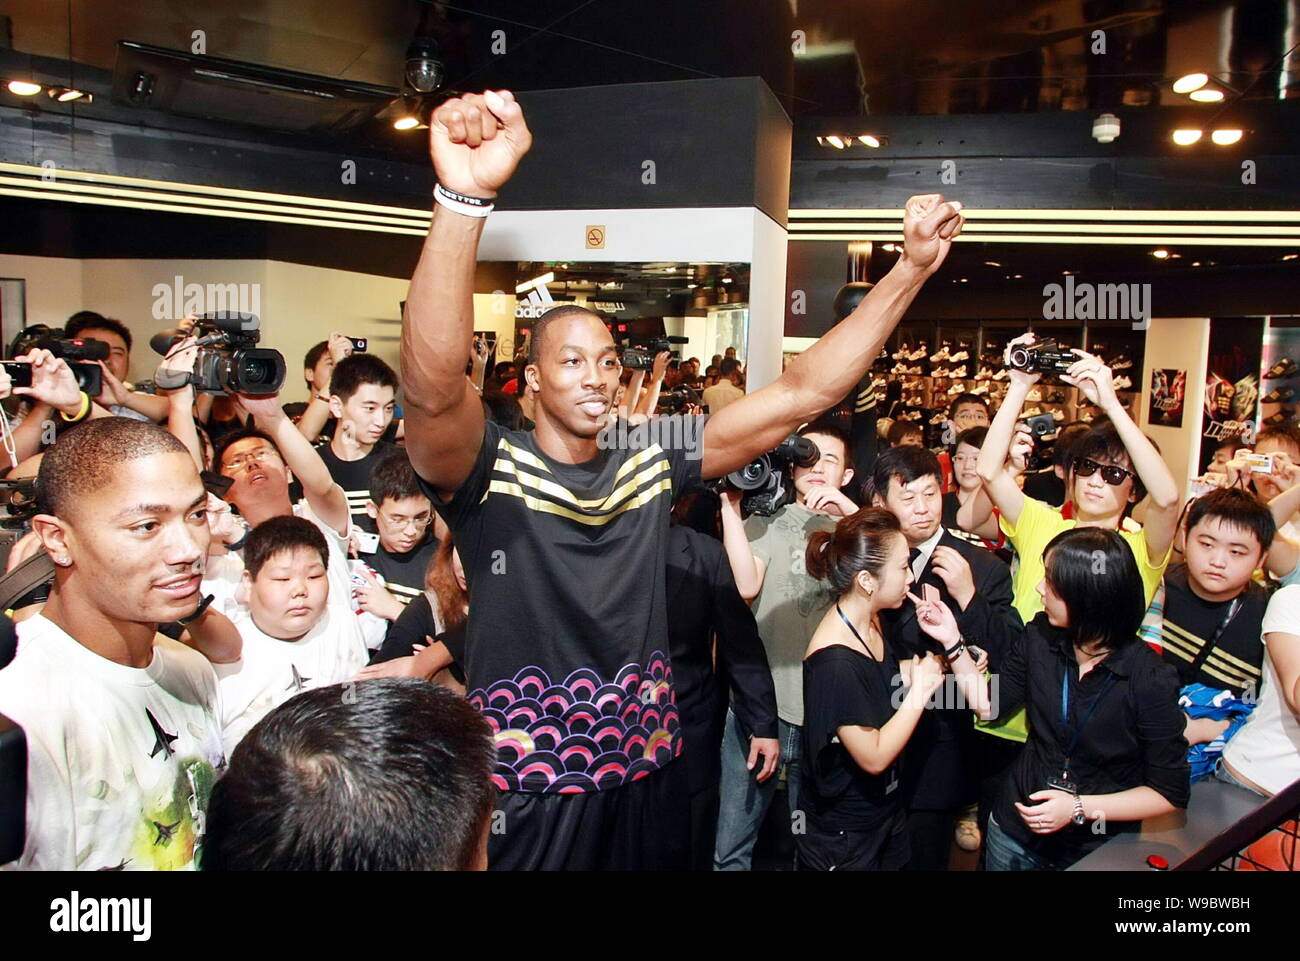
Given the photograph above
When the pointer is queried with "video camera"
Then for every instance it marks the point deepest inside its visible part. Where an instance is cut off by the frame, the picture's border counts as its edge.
(1043, 357)
(675, 400)
(80, 353)
(768, 482)
(641, 356)
(228, 360)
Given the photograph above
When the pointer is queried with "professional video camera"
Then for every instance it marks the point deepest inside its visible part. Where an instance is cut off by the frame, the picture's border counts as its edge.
(641, 356)
(228, 360)
(675, 400)
(1042, 357)
(768, 482)
(80, 353)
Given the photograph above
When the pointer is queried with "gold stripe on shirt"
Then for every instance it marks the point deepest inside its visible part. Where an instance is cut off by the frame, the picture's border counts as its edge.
(549, 507)
(558, 491)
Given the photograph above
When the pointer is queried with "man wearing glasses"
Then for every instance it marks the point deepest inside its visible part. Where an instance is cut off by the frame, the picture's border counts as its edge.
(261, 461)
(1111, 467)
(405, 540)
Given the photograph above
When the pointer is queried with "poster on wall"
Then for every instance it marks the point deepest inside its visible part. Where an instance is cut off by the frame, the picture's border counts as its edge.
(1232, 383)
(1168, 388)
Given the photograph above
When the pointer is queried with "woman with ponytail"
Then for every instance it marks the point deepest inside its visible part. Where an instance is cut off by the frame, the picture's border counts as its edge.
(861, 704)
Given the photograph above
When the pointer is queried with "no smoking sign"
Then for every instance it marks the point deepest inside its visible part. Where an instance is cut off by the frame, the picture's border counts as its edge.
(596, 237)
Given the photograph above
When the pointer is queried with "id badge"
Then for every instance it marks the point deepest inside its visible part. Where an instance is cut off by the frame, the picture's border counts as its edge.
(1062, 783)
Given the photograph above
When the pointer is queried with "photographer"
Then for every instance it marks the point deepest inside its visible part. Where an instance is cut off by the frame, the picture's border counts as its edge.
(117, 397)
(314, 417)
(766, 555)
(568, 535)
(1111, 466)
(122, 724)
(53, 388)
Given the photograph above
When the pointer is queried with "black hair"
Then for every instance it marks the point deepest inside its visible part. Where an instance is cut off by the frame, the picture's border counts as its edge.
(355, 371)
(972, 436)
(229, 440)
(503, 409)
(859, 542)
(1066, 437)
(729, 366)
(908, 464)
(1094, 572)
(1288, 433)
(900, 429)
(826, 425)
(283, 533)
(502, 368)
(394, 478)
(86, 458)
(89, 320)
(390, 774)
(1102, 442)
(562, 312)
(1237, 508)
(315, 354)
(966, 399)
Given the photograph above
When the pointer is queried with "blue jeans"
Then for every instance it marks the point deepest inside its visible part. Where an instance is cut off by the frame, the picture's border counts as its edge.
(1004, 853)
(1222, 773)
(743, 801)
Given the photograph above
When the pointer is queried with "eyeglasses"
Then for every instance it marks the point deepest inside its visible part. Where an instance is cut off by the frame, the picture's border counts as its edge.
(419, 521)
(252, 457)
(1111, 474)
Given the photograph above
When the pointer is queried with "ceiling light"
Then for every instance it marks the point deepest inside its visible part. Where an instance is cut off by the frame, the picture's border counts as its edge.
(406, 122)
(1020, 276)
(68, 94)
(1290, 256)
(839, 143)
(1105, 128)
(24, 88)
(1225, 137)
(867, 140)
(992, 263)
(424, 67)
(726, 280)
(1207, 95)
(691, 286)
(821, 141)
(1190, 82)
(1160, 254)
(1196, 263)
(1186, 136)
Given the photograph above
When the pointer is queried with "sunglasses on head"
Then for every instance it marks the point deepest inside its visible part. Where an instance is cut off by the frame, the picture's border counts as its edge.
(1110, 473)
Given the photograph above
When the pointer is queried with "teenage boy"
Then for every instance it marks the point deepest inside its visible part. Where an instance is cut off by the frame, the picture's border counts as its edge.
(363, 391)
(767, 561)
(1111, 466)
(403, 517)
(123, 724)
(939, 778)
(293, 640)
(117, 396)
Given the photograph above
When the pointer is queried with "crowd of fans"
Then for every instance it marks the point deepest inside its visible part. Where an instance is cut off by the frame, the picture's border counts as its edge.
(471, 633)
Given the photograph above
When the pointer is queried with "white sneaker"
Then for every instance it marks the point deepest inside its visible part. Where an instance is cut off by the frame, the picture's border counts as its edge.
(960, 355)
(1122, 383)
(1001, 375)
(1034, 395)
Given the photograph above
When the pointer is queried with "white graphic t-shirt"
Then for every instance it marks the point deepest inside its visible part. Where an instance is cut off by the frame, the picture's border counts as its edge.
(121, 760)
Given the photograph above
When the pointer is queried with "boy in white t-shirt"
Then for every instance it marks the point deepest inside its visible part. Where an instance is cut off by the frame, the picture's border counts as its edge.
(294, 638)
(122, 724)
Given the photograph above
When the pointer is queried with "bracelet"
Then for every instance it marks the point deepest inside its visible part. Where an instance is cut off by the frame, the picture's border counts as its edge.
(955, 652)
(189, 619)
(80, 414)
(478, 208)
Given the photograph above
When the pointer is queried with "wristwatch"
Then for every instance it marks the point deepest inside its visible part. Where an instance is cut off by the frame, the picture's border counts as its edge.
(1078, 811)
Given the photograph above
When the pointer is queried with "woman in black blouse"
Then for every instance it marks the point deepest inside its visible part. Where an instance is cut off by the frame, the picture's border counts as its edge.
(861, 704)
(1106, 747)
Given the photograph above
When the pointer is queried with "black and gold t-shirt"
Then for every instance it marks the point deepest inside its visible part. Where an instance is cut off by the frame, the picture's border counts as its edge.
(566, 653)
(1233, 662)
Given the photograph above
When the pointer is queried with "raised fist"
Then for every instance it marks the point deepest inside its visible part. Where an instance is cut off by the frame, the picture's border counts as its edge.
(929, 225)
(477, 140)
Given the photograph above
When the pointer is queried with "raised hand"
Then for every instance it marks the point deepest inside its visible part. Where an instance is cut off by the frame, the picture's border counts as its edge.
(934, 617)
(1022, 445)
(929, 225)
(1093, 378)
(660, 365)
(954, 570)
(477, 140)
(1020, 376)
(53, 382)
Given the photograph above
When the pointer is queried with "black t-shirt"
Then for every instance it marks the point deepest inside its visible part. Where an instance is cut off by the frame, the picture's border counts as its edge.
(1045, 486)
(415, 625)
(404, 573)
(842, 687)
(1234, 662)
(354, 477)
(582, 699)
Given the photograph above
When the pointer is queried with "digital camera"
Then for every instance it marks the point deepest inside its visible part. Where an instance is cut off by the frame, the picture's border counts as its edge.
(1043, 357)
(228, 359)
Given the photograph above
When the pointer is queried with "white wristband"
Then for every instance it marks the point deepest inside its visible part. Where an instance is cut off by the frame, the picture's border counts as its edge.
(469, 210)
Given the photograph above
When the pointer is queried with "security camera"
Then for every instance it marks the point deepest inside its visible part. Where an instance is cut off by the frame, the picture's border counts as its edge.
(425, 71)
(1105, 128)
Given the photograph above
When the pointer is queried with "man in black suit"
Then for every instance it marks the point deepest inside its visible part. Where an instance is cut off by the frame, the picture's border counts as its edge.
(703, 602)
(939, 768)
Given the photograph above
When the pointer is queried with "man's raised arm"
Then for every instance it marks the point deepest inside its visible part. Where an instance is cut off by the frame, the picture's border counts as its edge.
(821, 376)
(476, 141)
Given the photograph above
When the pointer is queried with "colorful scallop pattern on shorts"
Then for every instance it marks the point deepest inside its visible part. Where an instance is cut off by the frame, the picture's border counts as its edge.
(585, 734)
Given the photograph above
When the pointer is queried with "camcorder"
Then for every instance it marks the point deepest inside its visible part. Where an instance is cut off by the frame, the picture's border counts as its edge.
(1043, 357)
(676, 400)
(641, 356)
(80, 353)
(228, 360)
(768, 481)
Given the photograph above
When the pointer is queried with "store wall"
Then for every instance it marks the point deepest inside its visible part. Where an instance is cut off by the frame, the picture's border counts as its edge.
(1178, 343)
(53, 289)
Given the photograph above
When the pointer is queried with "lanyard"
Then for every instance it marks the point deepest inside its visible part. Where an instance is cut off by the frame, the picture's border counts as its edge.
(1065, 710)
(850, 626)
(1228, 615)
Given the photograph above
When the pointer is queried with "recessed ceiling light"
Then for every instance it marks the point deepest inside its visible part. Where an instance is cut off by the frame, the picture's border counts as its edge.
(992, 263)
(406, 123)
(1189, 82)
(1186, 136)
(839, 143)
(1225, 137)
(1290, 256)
(1020, 276)
(68, 94)
(24, 88)
(1207, 95)
(868, 140)
(1160, 254)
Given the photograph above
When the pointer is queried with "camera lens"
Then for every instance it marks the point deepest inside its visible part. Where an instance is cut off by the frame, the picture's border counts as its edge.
(1018, 358)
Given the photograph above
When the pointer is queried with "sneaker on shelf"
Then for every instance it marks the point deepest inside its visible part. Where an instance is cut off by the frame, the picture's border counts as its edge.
(1276, 420)
(901, 352)
(915, 369)
(939, 418)
(941, 355)
(1001, 374)
(981, 388)
(1031, 412)
(961, 355)
(1034, 394)
(960, 371)
(1057, 416)
(1278, 395)
(984, 373)
(1056, 397)
(1122, 362)
(1283, 368)
(1122, 383)
(919, 353)
(939, 372)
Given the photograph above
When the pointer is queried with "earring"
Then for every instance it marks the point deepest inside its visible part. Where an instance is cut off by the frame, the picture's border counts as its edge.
(65, 560)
